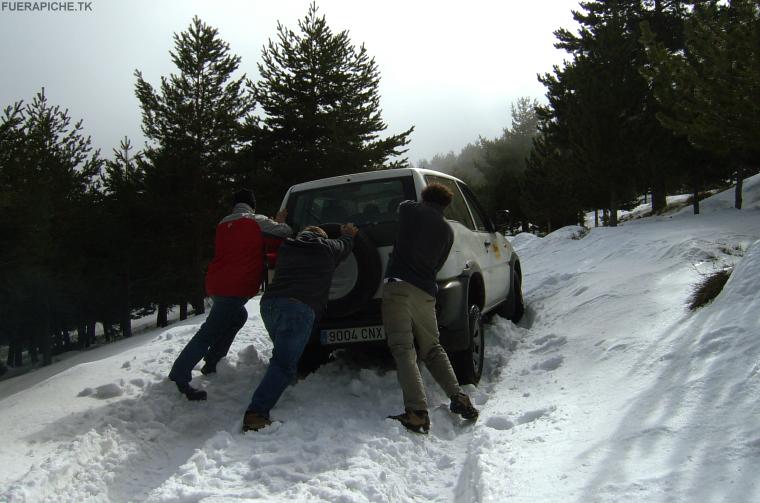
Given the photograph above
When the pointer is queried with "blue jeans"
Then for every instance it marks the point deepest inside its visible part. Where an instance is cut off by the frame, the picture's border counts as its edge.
(289, 323)
(213, 340)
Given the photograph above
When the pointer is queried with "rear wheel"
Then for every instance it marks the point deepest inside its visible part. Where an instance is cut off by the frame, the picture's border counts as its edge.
(468, 364)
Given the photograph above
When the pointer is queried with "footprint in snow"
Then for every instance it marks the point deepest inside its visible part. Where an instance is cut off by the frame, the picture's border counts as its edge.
(103, 392)
(579, 291)
(533, 415)
(552, 363)
(499, 423)
(503, 423)
(549, 343)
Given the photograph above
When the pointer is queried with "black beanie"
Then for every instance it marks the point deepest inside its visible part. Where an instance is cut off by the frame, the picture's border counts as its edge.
(245, 196)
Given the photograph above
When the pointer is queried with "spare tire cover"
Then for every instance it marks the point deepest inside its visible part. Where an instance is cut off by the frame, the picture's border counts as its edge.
(356, 278)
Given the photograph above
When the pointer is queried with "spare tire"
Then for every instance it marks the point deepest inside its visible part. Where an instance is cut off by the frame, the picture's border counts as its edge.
(356, 279)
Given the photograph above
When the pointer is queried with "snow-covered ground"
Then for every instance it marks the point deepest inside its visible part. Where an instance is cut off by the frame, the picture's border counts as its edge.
(608, 390)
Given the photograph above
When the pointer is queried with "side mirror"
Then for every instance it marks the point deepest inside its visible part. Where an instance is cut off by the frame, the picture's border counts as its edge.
(501, 218)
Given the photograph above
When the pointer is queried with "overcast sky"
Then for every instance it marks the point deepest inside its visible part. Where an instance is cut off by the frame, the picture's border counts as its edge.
(450, 68)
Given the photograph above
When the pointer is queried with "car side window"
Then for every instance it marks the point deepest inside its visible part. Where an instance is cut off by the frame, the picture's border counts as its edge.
(481, 221)
(457, 210)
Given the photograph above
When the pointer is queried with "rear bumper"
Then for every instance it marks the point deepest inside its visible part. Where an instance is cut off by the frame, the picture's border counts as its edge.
(451, 311)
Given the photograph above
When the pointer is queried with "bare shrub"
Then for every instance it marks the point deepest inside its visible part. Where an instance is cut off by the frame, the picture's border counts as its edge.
(709, 288)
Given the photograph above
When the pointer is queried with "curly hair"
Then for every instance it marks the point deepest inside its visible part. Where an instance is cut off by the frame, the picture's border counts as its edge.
(437, 193)
(315, 230)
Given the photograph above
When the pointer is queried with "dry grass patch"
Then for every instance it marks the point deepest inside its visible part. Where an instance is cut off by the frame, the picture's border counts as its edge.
(709, 288)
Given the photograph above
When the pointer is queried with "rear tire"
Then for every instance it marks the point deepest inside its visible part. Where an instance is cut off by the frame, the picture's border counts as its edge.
(468, 364)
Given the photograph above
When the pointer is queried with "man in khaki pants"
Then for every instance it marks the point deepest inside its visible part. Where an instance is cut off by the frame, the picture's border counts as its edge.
(422, 245)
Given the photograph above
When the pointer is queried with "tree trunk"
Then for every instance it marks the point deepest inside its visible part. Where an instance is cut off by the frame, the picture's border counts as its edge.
(659, 194)
(199, 288)
(596, 217)
(696, 189)
(90, 333)
(162, 316)
(18, 354)
(183, 310)
(613, 208)
(739, 187)
(125, 324)
(47, 339)
(107, 332)
(82, 335)
(125, 319)
(15, 351)
(199, 306)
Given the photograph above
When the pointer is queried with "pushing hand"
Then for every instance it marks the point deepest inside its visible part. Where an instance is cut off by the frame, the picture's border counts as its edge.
(349, 229)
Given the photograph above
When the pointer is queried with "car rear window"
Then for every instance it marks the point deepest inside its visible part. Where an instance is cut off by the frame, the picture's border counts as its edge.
(363, 203)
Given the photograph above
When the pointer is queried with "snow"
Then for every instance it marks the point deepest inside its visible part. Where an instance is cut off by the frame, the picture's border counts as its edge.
(610, 389)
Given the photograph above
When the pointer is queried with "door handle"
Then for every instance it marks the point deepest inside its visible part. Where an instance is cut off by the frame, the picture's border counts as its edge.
(486, 243)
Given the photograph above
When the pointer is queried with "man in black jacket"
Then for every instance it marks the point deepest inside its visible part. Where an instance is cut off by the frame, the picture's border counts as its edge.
(422, 245)
(291, 303)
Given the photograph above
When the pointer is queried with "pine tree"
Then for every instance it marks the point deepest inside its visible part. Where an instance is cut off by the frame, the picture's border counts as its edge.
(603, 110)
(53, 179)
(126, 262)
(603, 91)
(320, 94)
(549, 194)
(709, 90)
(505, 161)
(195, 125)
(11, 148)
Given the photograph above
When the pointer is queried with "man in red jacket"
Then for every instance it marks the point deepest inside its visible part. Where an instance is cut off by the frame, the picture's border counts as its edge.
(233, 277)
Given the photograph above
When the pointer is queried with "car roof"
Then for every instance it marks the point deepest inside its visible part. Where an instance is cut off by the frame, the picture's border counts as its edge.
(368, 175)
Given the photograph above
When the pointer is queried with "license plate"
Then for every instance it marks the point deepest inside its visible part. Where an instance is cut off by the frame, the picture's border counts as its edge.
(352, 334)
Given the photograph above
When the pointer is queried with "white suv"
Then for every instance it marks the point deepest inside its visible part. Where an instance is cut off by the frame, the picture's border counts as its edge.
(481, 275)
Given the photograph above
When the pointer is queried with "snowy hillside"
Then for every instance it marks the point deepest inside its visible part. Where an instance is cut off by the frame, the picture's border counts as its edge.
(608, 390)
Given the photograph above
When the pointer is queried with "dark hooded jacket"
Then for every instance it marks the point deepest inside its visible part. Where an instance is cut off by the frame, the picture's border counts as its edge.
(305, 266)
(422, 245)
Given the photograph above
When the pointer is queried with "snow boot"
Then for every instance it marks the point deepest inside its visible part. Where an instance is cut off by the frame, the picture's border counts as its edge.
(253, 421)
(417, 421)
(191, 393)
(461, 404)
(208, 368)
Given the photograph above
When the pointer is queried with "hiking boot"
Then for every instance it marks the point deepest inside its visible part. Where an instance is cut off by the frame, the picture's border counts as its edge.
(191, 393)
(417, 421)
(253, 421)
(461, 404)
(208, 368)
